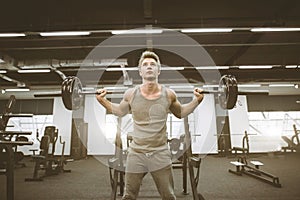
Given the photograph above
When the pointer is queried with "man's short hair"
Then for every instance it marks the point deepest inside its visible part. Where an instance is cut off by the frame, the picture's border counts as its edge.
(149, 54)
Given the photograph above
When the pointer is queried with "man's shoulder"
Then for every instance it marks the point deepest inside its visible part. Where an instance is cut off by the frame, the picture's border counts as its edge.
(129, 93)
(132, 89)
(169, 90)
(170, 93)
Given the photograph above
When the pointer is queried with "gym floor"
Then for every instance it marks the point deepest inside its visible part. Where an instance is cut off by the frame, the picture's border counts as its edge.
(89, 179)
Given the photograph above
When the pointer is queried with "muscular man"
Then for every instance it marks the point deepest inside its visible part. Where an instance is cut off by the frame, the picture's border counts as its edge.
(149, 104)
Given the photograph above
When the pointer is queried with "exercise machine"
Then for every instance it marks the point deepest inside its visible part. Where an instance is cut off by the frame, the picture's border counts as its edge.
(6, 135)
(47, 160)
(116, 165)
(193, 162)
(245, 146)
(7, 148)
(179, 158)
(293, 143)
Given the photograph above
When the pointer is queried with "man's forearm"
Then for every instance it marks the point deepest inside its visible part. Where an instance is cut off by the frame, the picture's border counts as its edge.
(188, 108)
(106, 104)
(113, 108)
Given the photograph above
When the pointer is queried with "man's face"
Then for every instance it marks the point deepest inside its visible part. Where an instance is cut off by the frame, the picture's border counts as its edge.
(149, 69)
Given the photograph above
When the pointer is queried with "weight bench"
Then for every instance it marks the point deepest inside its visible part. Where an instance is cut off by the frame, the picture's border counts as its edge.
(256, 163)
(238, 166)
(242, 167)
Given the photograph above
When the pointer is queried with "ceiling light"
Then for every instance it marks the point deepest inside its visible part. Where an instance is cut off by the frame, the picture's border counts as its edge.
(298, 101)
(181, 86)
(171, 68)
(111, 69)
(109, 88)
(210, 86)
(3, 71)
(256, 67)
(112, 62)
(116, 88)
(67, 33)
(291, 66)
(249, 85)
(12, 35)
(17, 90)
(282, 85)
(89, 88)
(23, 71)
(137, 31)
(206, 30)
(136, 69)
(273, 29)
(212, 67)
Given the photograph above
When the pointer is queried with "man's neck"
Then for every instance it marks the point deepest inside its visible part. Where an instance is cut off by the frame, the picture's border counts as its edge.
(150, 87)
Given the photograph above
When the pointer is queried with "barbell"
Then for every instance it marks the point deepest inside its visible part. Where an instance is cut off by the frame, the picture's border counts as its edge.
(72, 92)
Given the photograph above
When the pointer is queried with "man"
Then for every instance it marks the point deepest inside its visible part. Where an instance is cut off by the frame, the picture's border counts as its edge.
(149, 104)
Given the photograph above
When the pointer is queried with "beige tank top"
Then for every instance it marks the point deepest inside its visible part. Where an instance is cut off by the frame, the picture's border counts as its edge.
(149, 121)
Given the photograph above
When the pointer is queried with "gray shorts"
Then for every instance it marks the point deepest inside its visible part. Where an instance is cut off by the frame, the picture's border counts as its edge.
(148, 162)
(157, 163)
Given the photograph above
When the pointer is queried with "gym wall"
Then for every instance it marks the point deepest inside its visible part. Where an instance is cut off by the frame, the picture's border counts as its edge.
(205, 140)
(32, 106)
(255, 103)
(273, 103)
(94, 116)
(62, 120)
(238, 121)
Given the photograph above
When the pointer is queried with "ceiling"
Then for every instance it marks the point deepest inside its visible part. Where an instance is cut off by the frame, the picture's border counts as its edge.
(68, 54)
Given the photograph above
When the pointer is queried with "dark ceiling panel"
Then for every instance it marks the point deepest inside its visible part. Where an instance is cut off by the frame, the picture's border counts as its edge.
(240, 47)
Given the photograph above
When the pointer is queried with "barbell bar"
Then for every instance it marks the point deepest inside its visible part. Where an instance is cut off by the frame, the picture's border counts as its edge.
(119, 92)
(72, 92)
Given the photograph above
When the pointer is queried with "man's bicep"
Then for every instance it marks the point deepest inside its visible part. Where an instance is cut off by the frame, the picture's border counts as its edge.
(124, 106)
(175, 108)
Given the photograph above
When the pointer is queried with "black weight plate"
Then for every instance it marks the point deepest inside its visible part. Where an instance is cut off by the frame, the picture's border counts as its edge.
(228, 92)
(222, 95)
(66, 94)
(232, 92)
(77, 96)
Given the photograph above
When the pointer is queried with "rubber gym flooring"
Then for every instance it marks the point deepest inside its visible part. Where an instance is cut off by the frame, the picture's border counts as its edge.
(89, 179)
